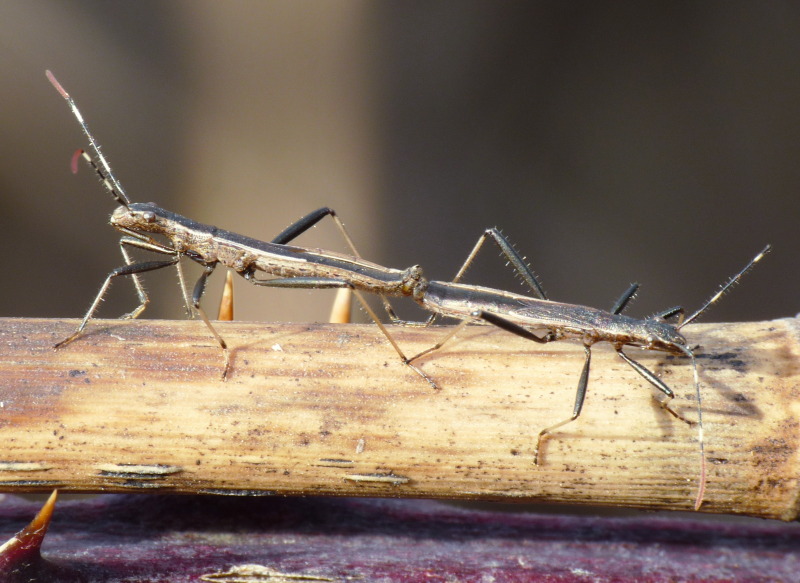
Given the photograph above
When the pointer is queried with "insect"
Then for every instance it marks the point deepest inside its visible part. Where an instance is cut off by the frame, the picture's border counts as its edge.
(523, 315)
(209, 246)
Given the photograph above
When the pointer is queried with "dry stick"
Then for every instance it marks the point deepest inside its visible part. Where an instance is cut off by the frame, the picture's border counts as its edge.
(329, 409)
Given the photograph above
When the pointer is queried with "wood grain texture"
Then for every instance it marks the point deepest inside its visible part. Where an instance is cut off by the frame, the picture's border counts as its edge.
(330, 409)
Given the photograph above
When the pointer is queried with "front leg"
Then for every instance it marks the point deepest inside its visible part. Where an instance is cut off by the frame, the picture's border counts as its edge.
(139, 241)
(128, 269)
(657, 383)
(131, 269)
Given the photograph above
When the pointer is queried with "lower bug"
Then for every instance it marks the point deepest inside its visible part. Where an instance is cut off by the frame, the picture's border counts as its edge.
(524, 316)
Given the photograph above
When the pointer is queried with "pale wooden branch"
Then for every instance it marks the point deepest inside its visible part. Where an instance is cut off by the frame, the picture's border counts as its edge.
(330, 409)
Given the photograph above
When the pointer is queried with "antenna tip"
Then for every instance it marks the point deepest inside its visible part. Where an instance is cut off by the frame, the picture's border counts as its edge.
(74, 162)
(56, 84)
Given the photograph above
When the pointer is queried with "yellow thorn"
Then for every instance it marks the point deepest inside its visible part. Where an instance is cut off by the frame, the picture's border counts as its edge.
(340, 312)
(226, 303)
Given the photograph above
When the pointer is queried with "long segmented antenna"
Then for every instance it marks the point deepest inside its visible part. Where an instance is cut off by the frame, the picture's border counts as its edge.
(731, 282)
(101, 166)
(701, 490)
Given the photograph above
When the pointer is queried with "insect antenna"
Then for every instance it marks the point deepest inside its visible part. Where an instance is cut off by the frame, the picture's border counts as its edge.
(108, 180)
(731, 282)
(701, 490)
(100, 166)
(676, 311)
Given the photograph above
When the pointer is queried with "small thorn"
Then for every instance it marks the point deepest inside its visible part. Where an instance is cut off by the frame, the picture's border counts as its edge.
(341, 309)
(226, 303)
(21, 559)
(28, 541)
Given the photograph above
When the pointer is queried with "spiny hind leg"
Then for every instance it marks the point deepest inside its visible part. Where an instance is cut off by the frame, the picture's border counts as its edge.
(517, 261)
(513, 258)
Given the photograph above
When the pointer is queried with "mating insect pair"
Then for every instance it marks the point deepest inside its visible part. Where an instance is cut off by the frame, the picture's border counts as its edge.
(297, 267)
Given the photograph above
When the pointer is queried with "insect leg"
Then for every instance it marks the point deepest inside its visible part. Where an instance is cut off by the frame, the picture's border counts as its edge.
(671, 313)
(527, 334)
(323, 283)
(140, 241)
(580, 396)
(197, 294)
(297, 282)
(657, 383)
(509, 326)
(129, 269)
(731, 282)
(143, 299)
(512, 256)
(491, 319)
(147, 245)
(626, 297)
(403, 357)
(305, 223)
(182, 283)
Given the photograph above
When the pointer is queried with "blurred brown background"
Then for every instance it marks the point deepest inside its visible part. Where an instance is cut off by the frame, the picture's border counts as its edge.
(655, 142)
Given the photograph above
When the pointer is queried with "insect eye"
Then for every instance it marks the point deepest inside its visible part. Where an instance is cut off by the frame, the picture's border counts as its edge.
(149, 216)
